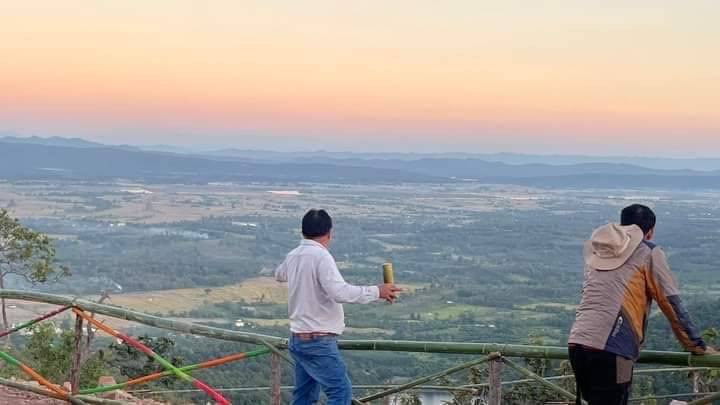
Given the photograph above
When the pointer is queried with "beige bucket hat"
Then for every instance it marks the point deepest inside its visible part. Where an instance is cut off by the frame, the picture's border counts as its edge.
(611, 245)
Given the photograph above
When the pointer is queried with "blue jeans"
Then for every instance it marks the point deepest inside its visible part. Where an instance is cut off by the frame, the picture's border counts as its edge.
(318, 365)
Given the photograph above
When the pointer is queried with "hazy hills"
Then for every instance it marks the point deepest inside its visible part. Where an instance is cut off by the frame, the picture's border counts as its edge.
(658, 163)
(33, 161)
(52, 141)
(57, 158)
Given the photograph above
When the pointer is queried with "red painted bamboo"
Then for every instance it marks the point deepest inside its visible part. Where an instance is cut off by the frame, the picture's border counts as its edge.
(34, 321)
(149, 352)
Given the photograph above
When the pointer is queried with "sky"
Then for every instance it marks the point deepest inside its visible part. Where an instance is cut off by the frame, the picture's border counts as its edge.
(554, 76)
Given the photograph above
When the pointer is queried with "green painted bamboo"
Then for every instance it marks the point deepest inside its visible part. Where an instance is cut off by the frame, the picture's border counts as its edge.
(108, 388)
(529, 374)
(435, 376)
(43, 392)
(658, 357)
(9, 359)
(706, 400)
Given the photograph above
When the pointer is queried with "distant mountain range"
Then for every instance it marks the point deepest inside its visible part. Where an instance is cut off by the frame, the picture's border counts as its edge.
(34, 161)
(58, 158)
(82, 143)
(52, 141)
(698, 164)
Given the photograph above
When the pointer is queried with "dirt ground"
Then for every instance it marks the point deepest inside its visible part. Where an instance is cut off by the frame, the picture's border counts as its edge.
(16, 397)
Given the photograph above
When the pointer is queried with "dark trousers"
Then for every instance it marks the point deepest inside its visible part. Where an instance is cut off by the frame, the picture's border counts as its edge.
(602, 378)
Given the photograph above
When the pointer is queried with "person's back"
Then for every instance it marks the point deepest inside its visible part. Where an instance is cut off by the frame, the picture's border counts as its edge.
(316, 291)
(624, 273)
(311, 307)
(612, 315)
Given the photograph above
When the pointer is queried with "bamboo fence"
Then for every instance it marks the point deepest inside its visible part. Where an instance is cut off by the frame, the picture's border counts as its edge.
(496, 353)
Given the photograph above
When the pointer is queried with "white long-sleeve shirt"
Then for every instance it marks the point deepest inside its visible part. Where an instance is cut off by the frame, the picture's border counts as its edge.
(316, 290)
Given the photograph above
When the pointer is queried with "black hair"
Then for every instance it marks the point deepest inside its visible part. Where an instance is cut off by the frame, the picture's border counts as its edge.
(316, 223)
(639, 215)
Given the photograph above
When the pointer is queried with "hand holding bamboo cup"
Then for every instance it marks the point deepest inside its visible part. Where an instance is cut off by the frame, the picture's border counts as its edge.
(388, 291)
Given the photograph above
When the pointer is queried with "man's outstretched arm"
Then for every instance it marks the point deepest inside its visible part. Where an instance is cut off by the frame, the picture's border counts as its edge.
(664, 290)
(335, 286)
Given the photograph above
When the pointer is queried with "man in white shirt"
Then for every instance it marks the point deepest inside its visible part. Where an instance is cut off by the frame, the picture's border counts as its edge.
(316, 294)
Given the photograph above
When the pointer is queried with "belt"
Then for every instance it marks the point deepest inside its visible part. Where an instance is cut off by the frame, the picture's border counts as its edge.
(312, 335)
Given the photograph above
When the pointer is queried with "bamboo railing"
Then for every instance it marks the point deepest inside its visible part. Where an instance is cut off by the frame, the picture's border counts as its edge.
(496, 353)
(543, 352)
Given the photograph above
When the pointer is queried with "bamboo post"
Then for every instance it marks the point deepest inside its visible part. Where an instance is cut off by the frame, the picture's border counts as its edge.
(495, 381)
(77, 356)
(104, 295)
(275, 379)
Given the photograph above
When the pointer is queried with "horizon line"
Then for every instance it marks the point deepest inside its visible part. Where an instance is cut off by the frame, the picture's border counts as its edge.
(216, 147)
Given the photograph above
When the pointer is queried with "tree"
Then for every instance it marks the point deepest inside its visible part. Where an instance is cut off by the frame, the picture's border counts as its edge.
(408, 398)
(24, 253)
(50, 354)
(476, 375)
(708, 381)
(133, 364)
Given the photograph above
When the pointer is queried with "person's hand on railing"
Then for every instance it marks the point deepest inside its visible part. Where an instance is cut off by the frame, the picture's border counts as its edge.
(709, 350)
(388, 292)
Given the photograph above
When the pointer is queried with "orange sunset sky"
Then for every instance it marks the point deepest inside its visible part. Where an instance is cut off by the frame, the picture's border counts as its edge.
(599, 77)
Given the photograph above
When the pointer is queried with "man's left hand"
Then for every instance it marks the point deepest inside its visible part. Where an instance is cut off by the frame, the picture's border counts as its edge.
(388, 292)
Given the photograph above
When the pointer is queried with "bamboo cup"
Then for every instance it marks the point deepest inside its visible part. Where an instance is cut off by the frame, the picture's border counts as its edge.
(388, 277)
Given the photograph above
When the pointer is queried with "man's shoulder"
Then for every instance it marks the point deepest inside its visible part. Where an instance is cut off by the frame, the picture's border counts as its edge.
(652, 253)
(310, 250)
(645, 253)
(651, 245)
(646, 249)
